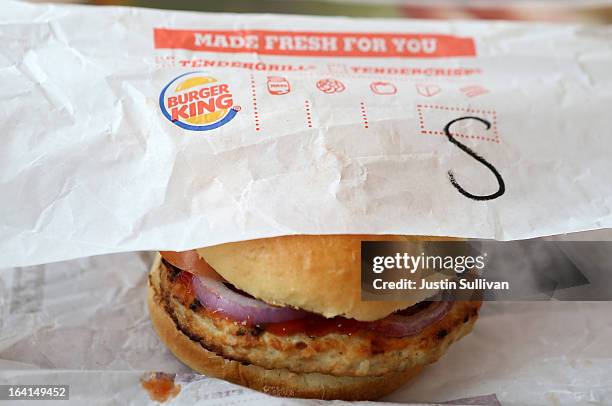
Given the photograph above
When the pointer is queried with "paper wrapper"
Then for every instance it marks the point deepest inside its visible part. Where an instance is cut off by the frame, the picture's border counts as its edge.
(299, 125)
(84, 323)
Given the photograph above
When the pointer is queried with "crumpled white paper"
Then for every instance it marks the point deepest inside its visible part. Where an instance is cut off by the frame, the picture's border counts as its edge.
(90, 165)
(84, 323)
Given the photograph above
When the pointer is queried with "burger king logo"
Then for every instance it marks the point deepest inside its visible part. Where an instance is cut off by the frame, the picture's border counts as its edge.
(197, 102)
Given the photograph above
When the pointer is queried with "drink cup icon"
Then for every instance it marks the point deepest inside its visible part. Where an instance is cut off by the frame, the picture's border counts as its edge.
(278, 85)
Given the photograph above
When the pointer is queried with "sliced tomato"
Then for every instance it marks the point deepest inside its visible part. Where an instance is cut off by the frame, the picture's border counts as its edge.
(189, 261)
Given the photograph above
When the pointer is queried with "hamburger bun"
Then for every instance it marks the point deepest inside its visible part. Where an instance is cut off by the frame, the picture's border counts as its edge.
(318, 273)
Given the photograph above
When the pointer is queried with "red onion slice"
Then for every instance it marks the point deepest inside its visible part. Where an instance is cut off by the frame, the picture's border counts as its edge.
(397, 325)
(214, 295)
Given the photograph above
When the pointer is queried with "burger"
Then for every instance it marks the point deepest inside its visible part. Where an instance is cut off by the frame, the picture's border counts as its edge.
(284, 316)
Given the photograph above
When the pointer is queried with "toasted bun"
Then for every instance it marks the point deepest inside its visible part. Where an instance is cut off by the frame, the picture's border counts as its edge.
(277, 382)
(318, 273)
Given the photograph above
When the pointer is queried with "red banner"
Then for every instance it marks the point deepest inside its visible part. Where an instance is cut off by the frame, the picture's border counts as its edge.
(292, 43)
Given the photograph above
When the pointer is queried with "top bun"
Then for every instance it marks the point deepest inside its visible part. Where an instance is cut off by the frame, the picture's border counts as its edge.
(318, 273)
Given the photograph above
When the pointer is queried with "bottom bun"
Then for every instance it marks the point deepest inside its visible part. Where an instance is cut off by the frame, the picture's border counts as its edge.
(277, 382)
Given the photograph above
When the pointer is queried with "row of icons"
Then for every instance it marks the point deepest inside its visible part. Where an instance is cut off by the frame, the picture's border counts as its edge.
(278, 85)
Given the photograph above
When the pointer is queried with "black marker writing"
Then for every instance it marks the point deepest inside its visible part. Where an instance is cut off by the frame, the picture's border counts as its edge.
(470, 152)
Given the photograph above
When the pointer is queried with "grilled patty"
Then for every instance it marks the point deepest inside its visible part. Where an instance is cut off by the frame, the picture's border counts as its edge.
(361, 353)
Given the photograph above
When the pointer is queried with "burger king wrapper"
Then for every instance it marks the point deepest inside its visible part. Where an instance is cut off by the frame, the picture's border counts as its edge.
(130, 129)
(83, 323)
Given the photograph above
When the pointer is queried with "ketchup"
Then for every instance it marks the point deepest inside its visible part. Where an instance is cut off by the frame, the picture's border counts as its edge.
(182, 287)
(315, 326)
(160, 387)
(312, 325)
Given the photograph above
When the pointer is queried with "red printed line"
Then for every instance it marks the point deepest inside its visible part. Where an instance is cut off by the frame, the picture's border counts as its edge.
(475, 137)
(467, 110)
(255, 108)
(495, 125)
(308, 113)
(364, 115)
(492, 113)
(421, 120)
